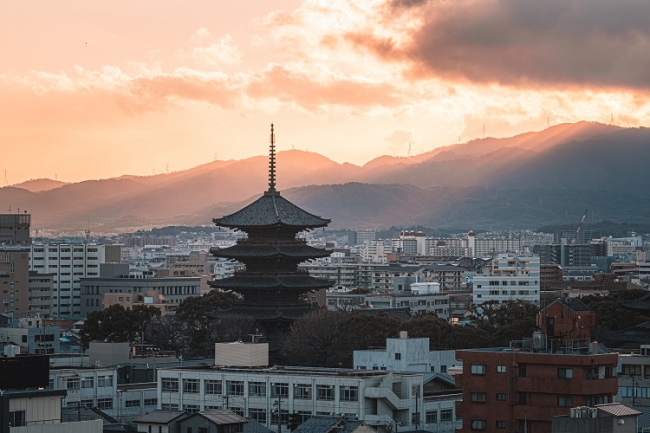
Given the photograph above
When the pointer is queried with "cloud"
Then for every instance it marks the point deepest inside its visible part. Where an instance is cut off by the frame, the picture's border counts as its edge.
(400, 139)
(520, 42)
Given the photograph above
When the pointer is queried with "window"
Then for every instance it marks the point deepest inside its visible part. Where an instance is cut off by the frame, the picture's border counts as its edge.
(302, 392)
(169, 385)
(191, 408)
(565, 401)
(349, 393)
(446, 415)
(256, 389)
(501, 369)
(191, 386)
(325, 392)
(104, 403)
(213, 387)
(132, 403)
(258, 415)
(169, 406)
(478, 369)
(565, 373)
(522, 398)
(431, 416)
(280, 390)
(443, 368)
(234, 387)
(150, 401)
(501, 396)
(501, 424)
(103, 381)
(87, 382)
(632, 370)
(17, 418)
(522, 370)
(478, 424)
(72, 383)
(398, 356)
(478, 397)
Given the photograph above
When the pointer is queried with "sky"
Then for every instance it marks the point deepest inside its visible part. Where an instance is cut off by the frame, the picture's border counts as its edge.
(93, 90)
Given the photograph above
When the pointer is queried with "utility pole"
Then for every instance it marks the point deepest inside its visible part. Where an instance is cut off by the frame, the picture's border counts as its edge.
(279, 404)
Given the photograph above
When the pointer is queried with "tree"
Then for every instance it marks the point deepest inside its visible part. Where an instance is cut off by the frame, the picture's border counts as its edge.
(442, 335)
(168, 333)
(312, 338)
(513, 320)
(116, 324)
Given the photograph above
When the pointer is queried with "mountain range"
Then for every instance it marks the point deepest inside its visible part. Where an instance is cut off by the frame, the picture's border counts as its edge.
(524, 181)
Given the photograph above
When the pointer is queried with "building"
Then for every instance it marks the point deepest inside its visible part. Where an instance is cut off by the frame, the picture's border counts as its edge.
(406, 354)
(31, 335)
(40, 294)
(375, 252)
(602, 418)
(583, 236)
(522, 387)
(151, 298)
(510, 277)
(416, 302)
(378, 398)
(271, 284)
(364, 236)
(567, 318)
(69, 263)
(15, 229)
(14, 282)
(173, 289)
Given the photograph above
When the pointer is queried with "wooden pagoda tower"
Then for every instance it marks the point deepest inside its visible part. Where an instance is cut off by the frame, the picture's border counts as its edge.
(271, 283)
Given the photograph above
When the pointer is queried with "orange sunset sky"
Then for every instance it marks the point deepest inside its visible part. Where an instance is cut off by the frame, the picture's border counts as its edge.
(96, 89)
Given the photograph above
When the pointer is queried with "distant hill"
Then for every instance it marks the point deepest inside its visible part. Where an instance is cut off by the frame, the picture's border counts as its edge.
(38, 185)
(483, 183)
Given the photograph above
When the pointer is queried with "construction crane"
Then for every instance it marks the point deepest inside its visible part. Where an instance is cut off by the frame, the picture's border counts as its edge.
(582, 221)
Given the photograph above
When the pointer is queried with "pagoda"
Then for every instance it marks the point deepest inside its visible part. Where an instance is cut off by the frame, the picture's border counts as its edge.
(271, 283)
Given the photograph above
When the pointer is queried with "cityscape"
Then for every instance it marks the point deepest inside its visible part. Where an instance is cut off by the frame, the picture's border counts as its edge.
(314, 217)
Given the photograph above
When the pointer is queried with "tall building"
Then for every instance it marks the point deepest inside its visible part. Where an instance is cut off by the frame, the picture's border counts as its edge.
(69, 263)
(15, 229)
(364, 236)
(509, 277)
(521, 388)
(14, 282)
(271, 283)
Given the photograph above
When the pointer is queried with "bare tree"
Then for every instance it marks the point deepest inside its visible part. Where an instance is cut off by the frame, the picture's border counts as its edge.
(313, 337)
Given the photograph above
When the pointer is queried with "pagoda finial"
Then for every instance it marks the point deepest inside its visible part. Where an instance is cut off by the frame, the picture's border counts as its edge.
(272, 162)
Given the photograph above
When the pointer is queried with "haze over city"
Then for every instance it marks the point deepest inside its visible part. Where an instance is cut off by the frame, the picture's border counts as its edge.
(98, 90)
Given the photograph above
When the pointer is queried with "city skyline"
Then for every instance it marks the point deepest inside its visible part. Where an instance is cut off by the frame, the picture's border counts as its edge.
(93, 91)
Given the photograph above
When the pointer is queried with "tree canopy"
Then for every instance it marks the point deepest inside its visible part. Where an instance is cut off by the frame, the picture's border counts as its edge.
(116, 324)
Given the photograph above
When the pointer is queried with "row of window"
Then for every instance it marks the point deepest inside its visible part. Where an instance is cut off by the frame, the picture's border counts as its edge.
(259, 389)
(562, 372)
(431, 416)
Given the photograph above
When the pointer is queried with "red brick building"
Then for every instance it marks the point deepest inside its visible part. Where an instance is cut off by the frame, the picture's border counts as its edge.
(568, 319)
(520, 389)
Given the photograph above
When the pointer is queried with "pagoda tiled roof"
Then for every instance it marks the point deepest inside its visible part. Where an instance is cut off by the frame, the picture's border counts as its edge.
(634, 334)
(271, 210)
(264, 312)
(254, 250)
(266, 281)
(641, 304)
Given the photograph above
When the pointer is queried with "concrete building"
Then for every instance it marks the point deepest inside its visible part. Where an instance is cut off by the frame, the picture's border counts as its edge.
(378, 398)
(417, 303)
(406, 354)
(173, 289)
(364, 236)
(31, 335)
(40, 294)
(522, 387)
(15, 229)
(151, 298)
(509, 277)
(375, 252)
(69, 263)
(602, 418)
(14, 282)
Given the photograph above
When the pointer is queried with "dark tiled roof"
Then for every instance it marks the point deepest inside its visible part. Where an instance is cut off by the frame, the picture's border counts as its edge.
(297, 250)
(159, 417)
(634, 334)
(264, 312)
(288, 281)
(270, 210)
(403, 313)
(641, 304)
(253, 426)
(324, 424)
(573, 304)
(221, 416)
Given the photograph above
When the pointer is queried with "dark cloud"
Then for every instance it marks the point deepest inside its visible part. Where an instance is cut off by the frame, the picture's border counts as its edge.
(528, 42)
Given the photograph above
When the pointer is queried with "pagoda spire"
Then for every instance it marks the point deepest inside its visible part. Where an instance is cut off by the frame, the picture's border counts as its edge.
(272, 162)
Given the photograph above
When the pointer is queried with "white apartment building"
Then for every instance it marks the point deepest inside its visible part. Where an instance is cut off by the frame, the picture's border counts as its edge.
(68, 263)
(375, 252)
(379, 398)
(509, 277)
(406, 354)
(97, 387)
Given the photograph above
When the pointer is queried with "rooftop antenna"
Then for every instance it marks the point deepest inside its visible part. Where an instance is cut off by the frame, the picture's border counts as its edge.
(272, 162)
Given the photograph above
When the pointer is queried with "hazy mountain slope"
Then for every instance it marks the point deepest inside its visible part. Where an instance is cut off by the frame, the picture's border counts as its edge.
(38, 185)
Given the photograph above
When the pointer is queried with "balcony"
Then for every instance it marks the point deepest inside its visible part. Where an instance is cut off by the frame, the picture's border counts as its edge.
(567, 386)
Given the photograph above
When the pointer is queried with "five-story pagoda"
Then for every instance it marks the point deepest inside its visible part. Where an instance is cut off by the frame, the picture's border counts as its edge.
(271, 283)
